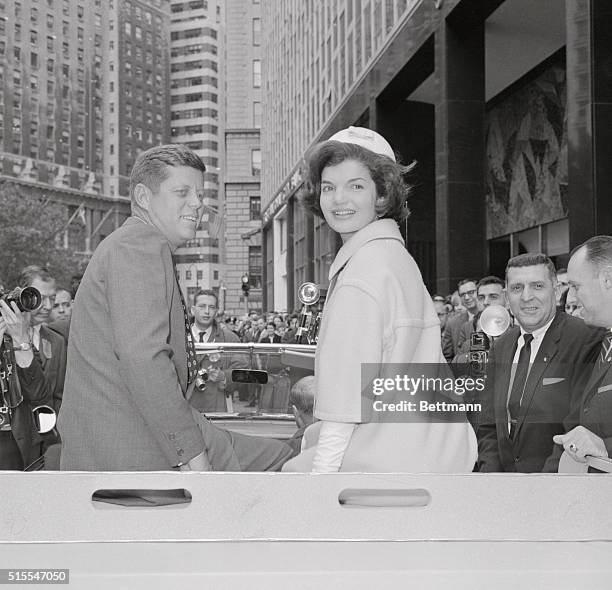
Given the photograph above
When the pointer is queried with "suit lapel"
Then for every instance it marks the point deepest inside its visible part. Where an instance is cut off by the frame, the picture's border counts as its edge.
(504, 371)
(548, 349)
(596, 376)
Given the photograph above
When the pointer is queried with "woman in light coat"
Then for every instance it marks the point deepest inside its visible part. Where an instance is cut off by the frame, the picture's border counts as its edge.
(378, 313)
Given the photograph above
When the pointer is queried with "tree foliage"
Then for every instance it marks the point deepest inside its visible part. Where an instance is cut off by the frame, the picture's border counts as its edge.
(32, 232)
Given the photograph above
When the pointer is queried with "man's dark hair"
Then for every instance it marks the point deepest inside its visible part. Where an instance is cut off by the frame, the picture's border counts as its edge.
(530, 259)
(598, 251)
(490, 280)
(464, 281)
(151, 167)
(206, 292)
(59, 288)
(30, 273)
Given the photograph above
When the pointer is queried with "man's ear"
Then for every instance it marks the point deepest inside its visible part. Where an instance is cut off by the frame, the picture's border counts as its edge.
(142, 196)
(605, 278)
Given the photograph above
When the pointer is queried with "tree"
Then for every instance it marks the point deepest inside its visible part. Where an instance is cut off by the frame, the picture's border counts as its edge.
(32, 232)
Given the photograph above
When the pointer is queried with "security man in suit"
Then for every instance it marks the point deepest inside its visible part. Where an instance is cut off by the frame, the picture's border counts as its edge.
(589, 275)
(534, 372)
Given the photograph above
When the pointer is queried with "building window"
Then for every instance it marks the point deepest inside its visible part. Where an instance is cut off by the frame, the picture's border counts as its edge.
(200, 275)
(188, 275)
(255, 266)
(256, 31)
(256, 162)
(256, 73)
(256, 114)
(254, 208)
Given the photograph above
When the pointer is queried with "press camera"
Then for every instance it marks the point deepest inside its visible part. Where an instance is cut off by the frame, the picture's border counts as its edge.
(312, 297)
(493, 322)
(27, 298)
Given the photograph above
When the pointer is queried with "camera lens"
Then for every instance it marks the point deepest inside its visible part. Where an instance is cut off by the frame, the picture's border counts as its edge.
(30, 299)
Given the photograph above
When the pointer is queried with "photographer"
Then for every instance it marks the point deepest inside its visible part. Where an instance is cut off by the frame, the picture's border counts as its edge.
(22, 385)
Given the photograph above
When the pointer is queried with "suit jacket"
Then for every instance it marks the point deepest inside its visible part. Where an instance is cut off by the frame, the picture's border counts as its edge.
(124, 404)
(52, 356)
(593, 409)
(30, 383)
(212, 399)
(450, 335)
(556, 379)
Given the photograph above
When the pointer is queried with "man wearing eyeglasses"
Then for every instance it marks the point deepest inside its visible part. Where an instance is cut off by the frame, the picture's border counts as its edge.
(452, 331)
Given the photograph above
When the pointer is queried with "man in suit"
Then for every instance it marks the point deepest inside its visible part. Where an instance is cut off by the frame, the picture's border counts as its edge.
(269, 335)
(589, 275)
(534, 371)
(206, 328)
(131, 357)
(452, 330)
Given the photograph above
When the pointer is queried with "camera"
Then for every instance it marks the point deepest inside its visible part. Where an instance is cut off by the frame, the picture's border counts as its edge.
(27, 299)
(201, 379)
(312, 297)
(5, 418)
(479, 354)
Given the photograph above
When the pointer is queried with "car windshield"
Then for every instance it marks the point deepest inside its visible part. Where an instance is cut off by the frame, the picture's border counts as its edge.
(247, 385)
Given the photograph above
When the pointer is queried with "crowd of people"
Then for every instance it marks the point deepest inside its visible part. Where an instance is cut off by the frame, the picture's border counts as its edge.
(117, 362)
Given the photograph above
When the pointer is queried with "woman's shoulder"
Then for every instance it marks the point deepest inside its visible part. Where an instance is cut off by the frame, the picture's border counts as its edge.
(380, 258)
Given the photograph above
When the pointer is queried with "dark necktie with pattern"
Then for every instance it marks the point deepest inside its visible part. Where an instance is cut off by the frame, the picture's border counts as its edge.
(605, 353)
(192, 362)
(520, 378)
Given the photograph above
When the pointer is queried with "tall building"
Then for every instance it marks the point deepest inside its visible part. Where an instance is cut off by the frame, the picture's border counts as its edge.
(501, 103)
(197, 118)
(135, 97)
(83, 89)
(243, 156)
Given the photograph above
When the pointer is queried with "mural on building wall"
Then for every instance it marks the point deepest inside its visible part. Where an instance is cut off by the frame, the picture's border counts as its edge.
(526, 150)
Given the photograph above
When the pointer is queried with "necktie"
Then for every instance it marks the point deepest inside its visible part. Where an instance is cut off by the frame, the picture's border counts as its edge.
(189, 347)
(202, 334)
(605, 354)
(518, 385)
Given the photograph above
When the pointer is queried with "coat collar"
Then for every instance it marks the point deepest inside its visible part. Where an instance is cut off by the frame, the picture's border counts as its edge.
(377, 230)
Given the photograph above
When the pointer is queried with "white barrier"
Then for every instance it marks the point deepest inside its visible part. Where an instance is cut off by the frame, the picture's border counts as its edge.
(291, 530)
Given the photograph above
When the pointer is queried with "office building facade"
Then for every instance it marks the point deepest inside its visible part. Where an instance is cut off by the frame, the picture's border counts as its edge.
(83, 90)
(243, 157)
(503, 105)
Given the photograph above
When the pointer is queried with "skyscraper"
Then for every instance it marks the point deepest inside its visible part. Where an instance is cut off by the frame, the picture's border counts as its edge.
(243, 155)
(197, 117)
(83, 90)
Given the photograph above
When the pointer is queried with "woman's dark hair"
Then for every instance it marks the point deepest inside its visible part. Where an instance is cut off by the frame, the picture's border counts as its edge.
(386, 174)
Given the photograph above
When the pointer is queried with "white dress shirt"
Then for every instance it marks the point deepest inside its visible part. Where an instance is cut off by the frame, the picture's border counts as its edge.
(538, 336)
